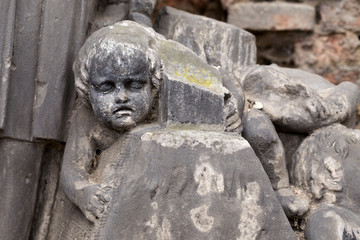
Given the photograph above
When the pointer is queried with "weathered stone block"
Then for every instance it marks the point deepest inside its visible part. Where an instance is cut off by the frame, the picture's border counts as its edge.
(272, 16)
(192, 90)
(190, 185)
(184, 103)
(217, 43)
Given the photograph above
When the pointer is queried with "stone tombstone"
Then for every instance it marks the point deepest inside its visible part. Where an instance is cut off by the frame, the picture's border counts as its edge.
(147, 156)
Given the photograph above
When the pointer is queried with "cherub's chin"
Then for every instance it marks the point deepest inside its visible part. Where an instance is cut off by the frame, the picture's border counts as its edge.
(123, 122)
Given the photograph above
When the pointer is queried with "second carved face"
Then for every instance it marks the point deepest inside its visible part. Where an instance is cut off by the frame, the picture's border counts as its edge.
(120, 91)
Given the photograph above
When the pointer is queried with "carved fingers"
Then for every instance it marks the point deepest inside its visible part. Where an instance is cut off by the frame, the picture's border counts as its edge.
(97, 198)
(233, 120)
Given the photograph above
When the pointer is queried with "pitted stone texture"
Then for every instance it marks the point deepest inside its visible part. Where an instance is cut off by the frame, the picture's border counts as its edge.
(296, 105)
(188, 104)
(272, 16)
(218, 43)
(182, 184)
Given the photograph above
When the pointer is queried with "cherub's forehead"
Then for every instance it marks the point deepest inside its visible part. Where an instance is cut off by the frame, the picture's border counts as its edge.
(108, 46)
(117, 65)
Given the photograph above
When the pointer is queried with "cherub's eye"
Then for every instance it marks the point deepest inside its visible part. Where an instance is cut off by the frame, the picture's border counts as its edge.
(105, 87)
(134, 84)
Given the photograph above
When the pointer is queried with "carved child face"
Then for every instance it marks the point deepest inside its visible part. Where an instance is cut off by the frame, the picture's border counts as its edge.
(120, 91)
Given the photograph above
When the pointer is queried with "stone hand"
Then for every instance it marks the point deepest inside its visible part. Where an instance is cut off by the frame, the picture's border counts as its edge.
(294, 204)
(95, 200)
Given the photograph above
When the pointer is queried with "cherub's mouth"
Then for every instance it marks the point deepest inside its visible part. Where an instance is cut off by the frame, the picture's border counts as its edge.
(122, 111)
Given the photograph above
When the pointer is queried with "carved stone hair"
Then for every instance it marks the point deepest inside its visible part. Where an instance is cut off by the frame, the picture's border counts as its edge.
(114, 40)
(309, 161)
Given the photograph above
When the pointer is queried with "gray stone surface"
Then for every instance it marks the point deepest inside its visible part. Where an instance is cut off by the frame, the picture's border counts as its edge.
(331, 222)
(272, 16)
(41, 84)
(295, 105)
(187, 104)
(291, 142)
(141, 11)
(263, 138)
(6, 42)
(38, 41)
(19, 181)
(183, 184)
(110, 14)
(218, 43)
(63, 32)
(47, 188)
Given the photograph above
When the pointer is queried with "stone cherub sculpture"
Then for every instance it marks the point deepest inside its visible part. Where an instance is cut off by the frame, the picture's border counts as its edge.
(139, 164)
(119, 83)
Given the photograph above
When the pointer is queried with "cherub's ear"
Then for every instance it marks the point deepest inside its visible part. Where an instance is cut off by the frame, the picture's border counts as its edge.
(156, 71)
(155, 82)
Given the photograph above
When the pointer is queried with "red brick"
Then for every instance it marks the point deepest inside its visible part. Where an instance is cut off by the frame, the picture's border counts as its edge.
(337, 16)
(336, 56)
(321, 52)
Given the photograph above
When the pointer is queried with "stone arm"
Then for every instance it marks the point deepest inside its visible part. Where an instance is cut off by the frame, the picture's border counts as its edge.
(79, 162)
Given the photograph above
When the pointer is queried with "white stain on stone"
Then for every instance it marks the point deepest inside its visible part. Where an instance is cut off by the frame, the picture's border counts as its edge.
(249, 225)
(164, 232)
(209, 180)
(200, 218)
(154, 205)
(153, 222)
(217, 142)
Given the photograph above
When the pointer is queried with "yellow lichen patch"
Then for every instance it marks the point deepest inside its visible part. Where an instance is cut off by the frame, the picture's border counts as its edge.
(198, 76)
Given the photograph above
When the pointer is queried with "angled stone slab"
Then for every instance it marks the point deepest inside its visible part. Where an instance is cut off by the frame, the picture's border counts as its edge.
(218, 43)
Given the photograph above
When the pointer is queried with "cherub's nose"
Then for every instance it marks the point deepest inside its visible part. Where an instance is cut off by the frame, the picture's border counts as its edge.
(121, 96)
